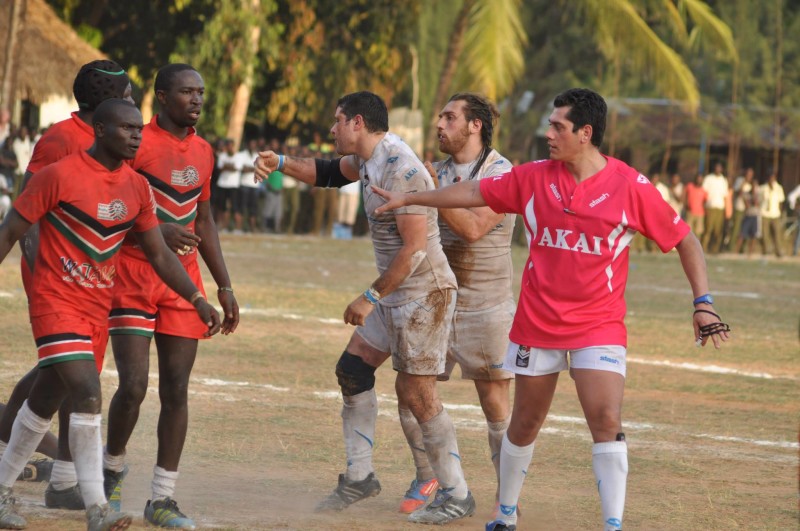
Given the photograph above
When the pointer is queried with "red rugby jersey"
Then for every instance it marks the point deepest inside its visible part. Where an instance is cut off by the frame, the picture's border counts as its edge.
(179, 172)
(61, 139)
(573, 285)
(85, 211)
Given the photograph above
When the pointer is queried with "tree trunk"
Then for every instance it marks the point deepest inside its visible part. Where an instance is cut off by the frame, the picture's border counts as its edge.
(612, 123)
(454, 49)
(776, 132)
(734, 139)
(15, 13)
(242, 92)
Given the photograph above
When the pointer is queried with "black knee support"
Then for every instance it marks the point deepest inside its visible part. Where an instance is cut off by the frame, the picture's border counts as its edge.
(354, 375)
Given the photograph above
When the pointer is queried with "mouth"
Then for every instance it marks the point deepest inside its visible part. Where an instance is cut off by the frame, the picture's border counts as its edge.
(194, 114)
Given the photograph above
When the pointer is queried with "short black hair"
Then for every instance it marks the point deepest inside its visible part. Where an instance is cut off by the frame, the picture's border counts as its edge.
(370, 106)
(97, 81)
(587, 107)
(166, 75)
(108, 108)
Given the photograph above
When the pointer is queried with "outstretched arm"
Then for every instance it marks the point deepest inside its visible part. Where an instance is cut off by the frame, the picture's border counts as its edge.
(169, 268)
(469, 224)
(302, 168)
(465, 194)
(694, 265)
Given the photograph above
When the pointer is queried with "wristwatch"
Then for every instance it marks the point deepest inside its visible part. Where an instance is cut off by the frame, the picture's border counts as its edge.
(707, 299)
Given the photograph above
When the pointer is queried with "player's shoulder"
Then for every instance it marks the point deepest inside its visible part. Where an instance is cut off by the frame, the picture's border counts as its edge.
(622, 171)
(495, 164)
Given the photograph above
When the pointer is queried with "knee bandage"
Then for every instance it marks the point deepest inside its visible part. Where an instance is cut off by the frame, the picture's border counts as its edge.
(354, 375)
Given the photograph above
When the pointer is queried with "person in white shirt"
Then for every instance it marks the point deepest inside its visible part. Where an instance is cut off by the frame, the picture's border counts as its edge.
(772, 198)
(249, 189)
(228, 182)
(716, 186)
(792, 198)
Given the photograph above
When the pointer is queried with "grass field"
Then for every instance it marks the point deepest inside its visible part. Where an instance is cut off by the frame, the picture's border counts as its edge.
(712, 434)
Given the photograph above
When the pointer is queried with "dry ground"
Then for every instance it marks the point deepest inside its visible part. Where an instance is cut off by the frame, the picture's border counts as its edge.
(712, 434)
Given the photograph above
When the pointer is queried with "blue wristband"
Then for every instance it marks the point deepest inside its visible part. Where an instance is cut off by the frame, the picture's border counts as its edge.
(707, 299)
(281, 160)
(370, 297)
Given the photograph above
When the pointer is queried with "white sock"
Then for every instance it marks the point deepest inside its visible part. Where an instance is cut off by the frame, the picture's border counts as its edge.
(359, 415)
(439, 437)
(496, 432)
(86, 446)
(114, 463)
(26, 434)
(63, 475)
(163, 484)
(514, 463)
(610, 465)
(413, 435)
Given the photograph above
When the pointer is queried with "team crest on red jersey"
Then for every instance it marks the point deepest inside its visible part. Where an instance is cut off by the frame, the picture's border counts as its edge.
(113, 211)
(189, 176)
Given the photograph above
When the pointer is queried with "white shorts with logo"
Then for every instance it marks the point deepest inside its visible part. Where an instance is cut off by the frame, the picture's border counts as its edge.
(478, 342)
(531, 361)
(415, 334)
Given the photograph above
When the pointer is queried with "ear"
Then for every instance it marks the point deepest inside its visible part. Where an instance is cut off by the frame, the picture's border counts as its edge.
(161, 96)
(99, 130)
(358, 122)
(586, 134)
(475, 126)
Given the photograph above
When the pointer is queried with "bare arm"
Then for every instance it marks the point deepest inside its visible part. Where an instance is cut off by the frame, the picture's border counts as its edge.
(469, 224)
(29, 243)
(413, 230)
(694, 265)
(302, 168)
(171, 271)
(465, 194)
(11, 230)
(211, 251)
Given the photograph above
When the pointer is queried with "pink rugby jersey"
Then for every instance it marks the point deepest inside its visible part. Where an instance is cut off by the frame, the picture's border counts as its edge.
(573, 284)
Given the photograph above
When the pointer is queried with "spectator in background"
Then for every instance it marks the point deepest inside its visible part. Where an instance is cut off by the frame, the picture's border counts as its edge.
(792, 198)
(741, 186)
(290, 193)
(349, 197)
(8, 163)
(5, 197)
(747, 195)
(771, 199)
(23, 149)
(695, 200)
(230, 169)
(716, 186)
(676, 194)
(5, 125)
(326, 200)
(249, 189)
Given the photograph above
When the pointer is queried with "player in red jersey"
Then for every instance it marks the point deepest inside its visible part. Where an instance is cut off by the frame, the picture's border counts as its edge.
(177, 163)
(82, 231)
(581, 209)
(95, 82)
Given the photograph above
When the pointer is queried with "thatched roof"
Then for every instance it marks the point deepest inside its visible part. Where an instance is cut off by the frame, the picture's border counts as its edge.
(49, 53)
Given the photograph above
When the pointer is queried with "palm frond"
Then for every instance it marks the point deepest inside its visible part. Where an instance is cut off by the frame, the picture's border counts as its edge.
(711, 28)
(495, 41)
